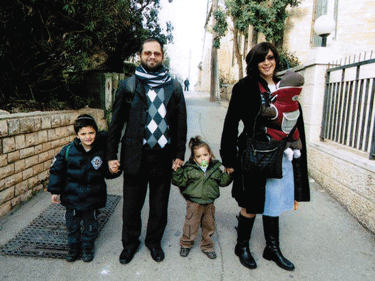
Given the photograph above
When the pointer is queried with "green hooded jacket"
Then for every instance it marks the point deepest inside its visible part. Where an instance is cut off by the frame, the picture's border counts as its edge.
(198, 186)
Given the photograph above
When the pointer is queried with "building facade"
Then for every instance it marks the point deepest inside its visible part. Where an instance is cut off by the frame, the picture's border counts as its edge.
(354, 35)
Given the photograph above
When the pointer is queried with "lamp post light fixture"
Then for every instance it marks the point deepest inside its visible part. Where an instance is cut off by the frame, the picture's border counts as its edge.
(323, 27)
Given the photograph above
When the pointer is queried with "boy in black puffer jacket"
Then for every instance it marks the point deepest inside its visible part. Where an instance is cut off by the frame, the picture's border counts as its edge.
(77, 175)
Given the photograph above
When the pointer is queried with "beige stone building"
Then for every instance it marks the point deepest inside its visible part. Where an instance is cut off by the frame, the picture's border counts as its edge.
(354, 34)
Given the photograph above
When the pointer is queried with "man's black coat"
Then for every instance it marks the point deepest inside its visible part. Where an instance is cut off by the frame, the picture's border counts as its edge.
(131, 107)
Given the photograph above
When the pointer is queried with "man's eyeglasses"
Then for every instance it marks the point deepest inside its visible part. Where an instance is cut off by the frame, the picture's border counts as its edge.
(149, 53)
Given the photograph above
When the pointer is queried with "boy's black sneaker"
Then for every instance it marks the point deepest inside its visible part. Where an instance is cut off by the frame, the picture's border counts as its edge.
(87, 255)
(73, 254)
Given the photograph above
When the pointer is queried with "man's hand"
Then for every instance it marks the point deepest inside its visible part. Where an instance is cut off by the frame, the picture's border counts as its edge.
(228, 170)
(55, 199)
(113, 166)
(177, 163)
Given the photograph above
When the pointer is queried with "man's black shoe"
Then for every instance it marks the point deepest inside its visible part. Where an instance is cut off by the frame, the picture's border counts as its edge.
(128, 253)
(157, 254)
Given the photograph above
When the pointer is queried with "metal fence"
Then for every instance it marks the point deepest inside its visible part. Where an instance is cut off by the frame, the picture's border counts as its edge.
(349, 114)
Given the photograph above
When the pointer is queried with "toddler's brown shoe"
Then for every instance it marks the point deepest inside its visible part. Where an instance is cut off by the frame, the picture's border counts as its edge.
(211, 255)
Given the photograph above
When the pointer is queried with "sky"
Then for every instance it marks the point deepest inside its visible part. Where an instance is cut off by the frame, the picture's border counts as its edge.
(188, 18)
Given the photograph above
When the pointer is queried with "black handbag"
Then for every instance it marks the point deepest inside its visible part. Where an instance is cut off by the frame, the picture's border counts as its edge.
(264, 158)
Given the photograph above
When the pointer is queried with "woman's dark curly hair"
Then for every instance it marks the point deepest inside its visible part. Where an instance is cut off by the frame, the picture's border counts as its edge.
(258, 54)
(196, 143)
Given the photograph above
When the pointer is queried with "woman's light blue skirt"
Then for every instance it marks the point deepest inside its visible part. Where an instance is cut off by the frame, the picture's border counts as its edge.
(280, 192)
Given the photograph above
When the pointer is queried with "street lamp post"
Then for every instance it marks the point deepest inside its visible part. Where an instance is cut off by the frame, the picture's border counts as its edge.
(323, 27)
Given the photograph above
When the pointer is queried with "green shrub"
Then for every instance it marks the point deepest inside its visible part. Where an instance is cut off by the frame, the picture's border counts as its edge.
(287, 60)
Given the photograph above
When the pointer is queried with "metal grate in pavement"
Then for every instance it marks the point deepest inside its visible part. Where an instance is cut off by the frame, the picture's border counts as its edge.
(46, 236)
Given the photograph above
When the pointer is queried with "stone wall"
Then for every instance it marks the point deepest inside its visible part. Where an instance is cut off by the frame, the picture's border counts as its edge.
(348, 176)
(28, 143)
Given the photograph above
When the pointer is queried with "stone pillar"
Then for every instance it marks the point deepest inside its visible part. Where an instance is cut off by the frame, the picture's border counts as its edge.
(312, 98)
(108, 91)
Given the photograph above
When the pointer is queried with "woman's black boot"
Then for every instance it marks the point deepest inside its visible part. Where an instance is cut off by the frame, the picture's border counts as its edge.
(245, 225)
(272, 251)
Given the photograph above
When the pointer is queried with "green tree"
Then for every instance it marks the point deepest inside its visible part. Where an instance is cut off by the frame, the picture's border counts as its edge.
(269, 18)
(266, 16)
(46, 45)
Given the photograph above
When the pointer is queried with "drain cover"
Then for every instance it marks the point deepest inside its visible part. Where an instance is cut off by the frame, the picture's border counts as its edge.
(47, 237)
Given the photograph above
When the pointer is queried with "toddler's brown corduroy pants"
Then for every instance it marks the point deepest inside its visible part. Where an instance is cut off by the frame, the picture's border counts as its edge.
(203, 216)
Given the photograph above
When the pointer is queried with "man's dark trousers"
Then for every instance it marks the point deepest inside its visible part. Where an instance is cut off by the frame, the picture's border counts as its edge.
(155, 171)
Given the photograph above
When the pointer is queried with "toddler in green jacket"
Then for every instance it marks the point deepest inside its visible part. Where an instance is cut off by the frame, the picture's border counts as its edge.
(199, 180)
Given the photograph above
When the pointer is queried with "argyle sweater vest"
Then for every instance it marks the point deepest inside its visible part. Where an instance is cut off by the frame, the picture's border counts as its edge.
(156, 129)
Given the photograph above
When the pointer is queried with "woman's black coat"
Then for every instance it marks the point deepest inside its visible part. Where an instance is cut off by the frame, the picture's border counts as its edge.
(244, 106)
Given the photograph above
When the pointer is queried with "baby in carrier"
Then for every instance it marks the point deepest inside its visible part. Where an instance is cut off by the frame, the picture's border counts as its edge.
(283, 112)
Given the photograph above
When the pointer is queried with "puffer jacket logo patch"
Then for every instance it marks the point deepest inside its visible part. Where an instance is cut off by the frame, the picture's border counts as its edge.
(97, 162)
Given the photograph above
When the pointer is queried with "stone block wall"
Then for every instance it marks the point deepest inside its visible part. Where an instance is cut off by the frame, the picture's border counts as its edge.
(348, 176)
(28, 143)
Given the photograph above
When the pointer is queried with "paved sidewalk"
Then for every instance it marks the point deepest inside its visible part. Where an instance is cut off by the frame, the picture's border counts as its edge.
(321, 238)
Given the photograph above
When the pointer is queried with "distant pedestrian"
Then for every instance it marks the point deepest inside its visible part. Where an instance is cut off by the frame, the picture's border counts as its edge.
(77, 175)
(186, 83)
(199, 180)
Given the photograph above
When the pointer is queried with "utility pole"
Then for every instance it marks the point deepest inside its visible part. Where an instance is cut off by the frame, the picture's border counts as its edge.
(214, 90)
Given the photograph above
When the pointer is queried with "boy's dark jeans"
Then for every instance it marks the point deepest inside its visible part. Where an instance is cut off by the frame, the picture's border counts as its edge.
(73, 223)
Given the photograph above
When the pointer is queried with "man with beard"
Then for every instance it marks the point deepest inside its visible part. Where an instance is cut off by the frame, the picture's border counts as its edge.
(153, 107)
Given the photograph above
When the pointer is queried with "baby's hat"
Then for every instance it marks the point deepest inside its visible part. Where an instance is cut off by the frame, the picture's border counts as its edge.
(292, 78)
